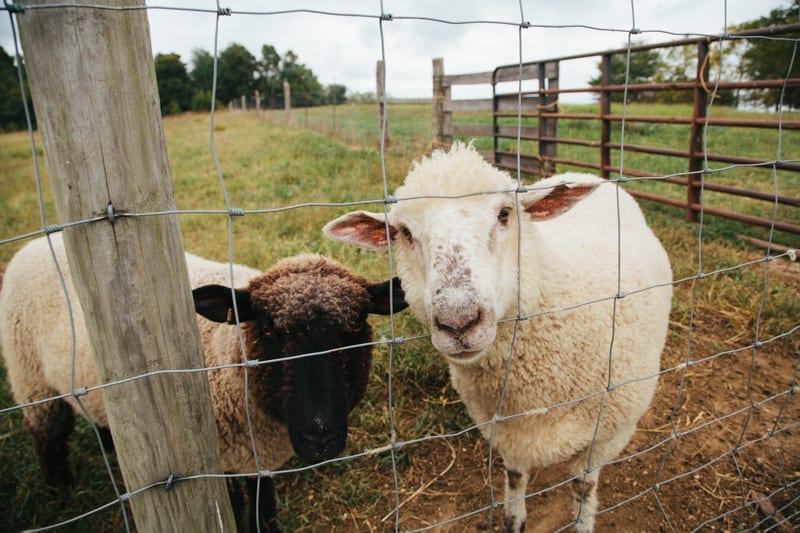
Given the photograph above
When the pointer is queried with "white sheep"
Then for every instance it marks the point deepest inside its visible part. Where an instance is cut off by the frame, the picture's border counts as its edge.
(305, 304)
(582, 364)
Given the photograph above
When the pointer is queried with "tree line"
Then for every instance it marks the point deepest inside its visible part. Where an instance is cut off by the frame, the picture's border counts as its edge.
(183, 88)
(240, 73)
(743, 59)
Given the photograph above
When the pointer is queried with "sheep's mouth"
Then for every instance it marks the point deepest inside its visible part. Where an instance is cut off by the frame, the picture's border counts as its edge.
(318, 446)
(465, 357)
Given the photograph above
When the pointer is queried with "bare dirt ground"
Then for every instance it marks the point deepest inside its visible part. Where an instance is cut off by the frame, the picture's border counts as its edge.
(699, 476)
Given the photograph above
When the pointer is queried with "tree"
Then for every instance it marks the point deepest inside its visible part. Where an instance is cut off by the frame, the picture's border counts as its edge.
(236, 70)
(201, 101)
(12, 112)
(336, 93)
(770, 58)
(679, 64)
(362, 98)
(269, 81)
(643, 67)
(306, 89)
(240, 73)
(174, 85)
(202, 70)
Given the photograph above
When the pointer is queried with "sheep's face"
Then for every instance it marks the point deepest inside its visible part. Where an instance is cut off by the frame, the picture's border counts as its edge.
(300, 319)
(455, 231)
(457, 259)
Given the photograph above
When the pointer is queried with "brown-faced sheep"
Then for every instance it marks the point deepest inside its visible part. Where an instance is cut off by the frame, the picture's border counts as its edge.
(304, 304)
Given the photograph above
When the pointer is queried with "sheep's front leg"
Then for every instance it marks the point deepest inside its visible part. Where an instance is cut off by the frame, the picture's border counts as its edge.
(584, 492)
(516, 484)
(265, 513)
(50, 426)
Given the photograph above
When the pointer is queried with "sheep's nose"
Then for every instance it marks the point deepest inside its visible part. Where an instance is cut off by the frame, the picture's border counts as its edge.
(320, 440)
(314, 446)
(458, 324)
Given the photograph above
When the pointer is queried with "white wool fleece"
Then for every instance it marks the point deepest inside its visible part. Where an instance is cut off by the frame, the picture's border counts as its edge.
(572, 256)
(31, 289)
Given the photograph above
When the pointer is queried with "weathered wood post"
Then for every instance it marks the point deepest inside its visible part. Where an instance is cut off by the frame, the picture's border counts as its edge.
(333, 103)
(548, 116)
(605, 112)
(380, 97)
(437, 111)
(287, 99)
(441, 93)
(93, 85)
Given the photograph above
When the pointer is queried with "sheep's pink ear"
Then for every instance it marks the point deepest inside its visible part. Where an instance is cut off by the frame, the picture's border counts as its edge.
(364, 229)
(215, 303)
(544, 204)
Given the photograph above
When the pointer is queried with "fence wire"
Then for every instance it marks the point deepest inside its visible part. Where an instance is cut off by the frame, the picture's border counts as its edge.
(787, 481)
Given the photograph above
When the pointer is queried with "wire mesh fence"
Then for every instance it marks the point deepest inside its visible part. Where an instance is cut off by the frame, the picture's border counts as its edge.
(717, 448)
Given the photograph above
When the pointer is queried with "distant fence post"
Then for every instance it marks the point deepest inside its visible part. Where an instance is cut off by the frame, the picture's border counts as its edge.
(257, 97)
(287, 99)
(440, 138)
(605, 112)
(333, 103)
(548, 116)
(380, 96)
(106, 154)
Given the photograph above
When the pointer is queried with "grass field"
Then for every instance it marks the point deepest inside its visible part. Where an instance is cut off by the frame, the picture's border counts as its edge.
(269, 163)
(410, 124)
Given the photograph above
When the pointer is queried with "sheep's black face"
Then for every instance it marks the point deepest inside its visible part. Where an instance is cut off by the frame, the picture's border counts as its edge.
(318, 409)
(319, 383)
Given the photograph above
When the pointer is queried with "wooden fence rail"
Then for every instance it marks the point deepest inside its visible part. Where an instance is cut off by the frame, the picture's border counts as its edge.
(538, 114)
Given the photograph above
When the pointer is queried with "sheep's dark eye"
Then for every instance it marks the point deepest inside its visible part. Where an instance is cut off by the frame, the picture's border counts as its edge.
(407, 233)
(503, 215)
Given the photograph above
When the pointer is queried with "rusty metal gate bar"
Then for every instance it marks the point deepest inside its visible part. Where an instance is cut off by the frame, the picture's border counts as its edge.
(546, 94)
(696, 148)
(544, 132)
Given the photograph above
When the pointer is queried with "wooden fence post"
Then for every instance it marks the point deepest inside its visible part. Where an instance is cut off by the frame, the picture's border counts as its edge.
(93, 83)
(287, 99)
(605, 111)
(548, 116)
(380, 97)
(441, 93)
(333, 103)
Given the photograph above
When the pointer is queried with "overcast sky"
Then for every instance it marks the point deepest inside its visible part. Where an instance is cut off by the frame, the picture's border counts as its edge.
(344, 49)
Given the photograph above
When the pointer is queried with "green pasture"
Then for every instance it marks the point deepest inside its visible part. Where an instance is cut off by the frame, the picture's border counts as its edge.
(410, 125)
(283, 166)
